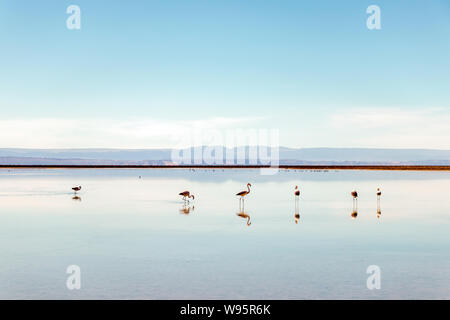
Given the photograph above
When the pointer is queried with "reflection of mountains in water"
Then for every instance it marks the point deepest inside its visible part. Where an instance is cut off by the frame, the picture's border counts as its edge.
(239, 175)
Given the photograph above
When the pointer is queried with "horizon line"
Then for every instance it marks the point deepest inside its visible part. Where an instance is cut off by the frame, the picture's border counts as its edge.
(283, 167)
(214, 146)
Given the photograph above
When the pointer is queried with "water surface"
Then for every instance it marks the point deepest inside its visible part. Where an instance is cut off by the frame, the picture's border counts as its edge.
(133, 238)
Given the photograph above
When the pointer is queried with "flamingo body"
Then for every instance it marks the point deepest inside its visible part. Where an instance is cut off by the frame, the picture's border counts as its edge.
(245, 192)
(186, 194)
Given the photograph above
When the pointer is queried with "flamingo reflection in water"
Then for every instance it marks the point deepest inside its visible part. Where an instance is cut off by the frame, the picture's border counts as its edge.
(242, 214)
(186, 209)
(297, 217)
(76, 198)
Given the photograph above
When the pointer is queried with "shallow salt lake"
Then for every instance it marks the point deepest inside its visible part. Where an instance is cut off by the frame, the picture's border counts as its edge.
(132, 239)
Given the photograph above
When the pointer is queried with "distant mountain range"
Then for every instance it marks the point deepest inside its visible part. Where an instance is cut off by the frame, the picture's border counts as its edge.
(305, 156)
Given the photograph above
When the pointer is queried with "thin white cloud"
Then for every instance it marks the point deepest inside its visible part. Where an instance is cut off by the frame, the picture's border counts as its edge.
(96, 133)
(393, 128)
(372, 128)
(384, 117)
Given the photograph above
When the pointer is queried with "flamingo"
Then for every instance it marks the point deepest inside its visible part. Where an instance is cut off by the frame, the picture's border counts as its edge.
(378, 202)
(296, 194)
(76, 189)
(296, 217)
(186, 194)
(355, 199)
(242, 194)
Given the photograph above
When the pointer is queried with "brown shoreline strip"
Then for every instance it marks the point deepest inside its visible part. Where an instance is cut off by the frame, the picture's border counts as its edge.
(292, 167)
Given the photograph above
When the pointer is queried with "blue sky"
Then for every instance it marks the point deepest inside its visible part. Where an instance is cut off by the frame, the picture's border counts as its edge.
(310, 69)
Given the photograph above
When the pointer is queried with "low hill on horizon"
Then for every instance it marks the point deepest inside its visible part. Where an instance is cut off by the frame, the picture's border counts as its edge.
(307, 156)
